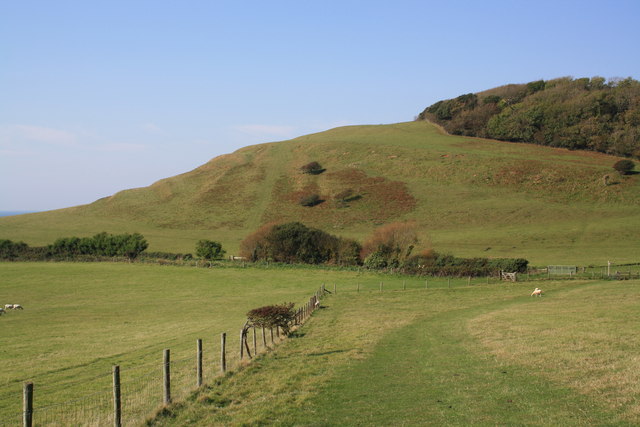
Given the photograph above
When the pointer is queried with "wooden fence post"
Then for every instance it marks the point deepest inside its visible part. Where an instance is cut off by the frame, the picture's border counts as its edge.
(223, 352)
(246, 342)
(271, 330)
(27, 405)
(167, 376)
(242, 344)
(117, 401)
(255, 342)
(199, 362)
(264, 338)
(335, 290)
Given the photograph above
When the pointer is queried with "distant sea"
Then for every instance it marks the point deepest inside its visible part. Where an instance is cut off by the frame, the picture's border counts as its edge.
(9, 213)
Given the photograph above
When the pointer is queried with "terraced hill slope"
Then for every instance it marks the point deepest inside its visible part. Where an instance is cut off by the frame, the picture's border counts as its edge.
(469, 196)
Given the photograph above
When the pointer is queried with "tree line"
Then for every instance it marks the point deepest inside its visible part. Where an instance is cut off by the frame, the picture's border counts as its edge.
(392, 246)
(585, 113)
(100, 245)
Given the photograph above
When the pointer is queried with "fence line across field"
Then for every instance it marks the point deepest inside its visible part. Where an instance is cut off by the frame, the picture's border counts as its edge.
(134, 395)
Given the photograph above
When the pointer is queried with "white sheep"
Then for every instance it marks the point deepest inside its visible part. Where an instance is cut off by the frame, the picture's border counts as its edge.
(8, 306)
(537, 292)
(17, 307)
(2, 311)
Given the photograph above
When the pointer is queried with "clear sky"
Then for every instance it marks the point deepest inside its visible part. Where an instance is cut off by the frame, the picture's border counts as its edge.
(101, 96)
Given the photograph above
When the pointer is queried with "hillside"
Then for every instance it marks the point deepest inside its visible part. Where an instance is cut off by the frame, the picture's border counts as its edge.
(586, 114)
(471, 197)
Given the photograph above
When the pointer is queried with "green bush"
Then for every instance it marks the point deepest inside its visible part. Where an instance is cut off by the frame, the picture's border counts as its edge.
(294, 242)
(209, 250)
(313, 168)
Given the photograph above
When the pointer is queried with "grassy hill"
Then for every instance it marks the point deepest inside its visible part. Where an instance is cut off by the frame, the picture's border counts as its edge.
(469, 196)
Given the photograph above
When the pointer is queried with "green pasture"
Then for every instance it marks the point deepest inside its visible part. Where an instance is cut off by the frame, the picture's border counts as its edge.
(479, 355)
(82, 318)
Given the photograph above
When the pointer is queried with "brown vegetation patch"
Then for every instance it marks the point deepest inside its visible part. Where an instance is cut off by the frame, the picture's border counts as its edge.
(373, 199)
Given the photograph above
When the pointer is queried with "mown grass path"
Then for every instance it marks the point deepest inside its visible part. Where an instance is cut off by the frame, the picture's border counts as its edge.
(414, 358)
(427, 373)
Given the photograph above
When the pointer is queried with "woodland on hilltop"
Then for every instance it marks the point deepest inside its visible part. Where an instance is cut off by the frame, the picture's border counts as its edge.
(585, 114)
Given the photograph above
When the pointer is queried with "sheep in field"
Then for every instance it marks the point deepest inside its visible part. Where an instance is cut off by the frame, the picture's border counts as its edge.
(537, 292)
(8, 306)
(17, 307)
(2, 311)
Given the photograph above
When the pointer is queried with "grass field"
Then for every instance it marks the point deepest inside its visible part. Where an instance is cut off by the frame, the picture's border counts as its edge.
(413, 353)
(481, 355)
(82, 318)
(469, 197)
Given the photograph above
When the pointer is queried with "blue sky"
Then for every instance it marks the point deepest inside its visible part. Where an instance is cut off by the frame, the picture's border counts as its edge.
(101, 96)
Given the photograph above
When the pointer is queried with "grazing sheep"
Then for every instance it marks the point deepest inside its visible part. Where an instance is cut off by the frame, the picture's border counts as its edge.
(17, 307)
(2, 311)
(537, 292)
(8, 306)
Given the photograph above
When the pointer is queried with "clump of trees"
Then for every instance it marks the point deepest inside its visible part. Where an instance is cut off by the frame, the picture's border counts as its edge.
(100, 245)
(294, 242)
(624, 167)
(390, 245)
(209, 250)
(272, 316)
(590, 114)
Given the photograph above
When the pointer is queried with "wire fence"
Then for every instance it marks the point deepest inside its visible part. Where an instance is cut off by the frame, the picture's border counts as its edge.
(136, 391)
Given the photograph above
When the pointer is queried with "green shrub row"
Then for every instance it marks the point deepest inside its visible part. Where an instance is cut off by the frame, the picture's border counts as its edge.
(77, 248)
(436, 264)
